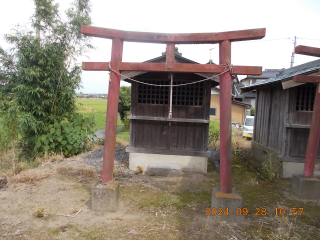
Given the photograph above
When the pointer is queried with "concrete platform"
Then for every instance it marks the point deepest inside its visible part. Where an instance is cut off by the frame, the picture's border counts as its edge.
(105, 198)
(187, 163)
(293, 168)
(226, 205)
(306, 188)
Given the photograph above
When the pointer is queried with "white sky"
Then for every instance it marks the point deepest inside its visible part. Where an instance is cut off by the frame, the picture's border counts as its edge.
(283, 19)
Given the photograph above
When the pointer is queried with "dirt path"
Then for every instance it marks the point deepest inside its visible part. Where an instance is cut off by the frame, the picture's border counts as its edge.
(150, 208)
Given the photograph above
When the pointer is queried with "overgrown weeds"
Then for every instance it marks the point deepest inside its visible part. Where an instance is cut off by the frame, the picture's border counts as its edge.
(214, 133)
(82, 172)
(271, 166)
(41, 212)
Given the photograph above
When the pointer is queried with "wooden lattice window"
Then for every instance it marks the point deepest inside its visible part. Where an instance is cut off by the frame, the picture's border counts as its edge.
(153, 94)
(188, 95)
(305, 97)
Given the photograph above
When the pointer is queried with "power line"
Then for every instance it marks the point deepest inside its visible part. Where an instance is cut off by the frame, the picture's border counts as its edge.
(105, 51)
(310, 39)
(264, 40)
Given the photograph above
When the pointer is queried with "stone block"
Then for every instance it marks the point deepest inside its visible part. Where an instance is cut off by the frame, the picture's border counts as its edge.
(166, 169)
(3, 182)
(227, 206)
(306, 188)
(105, 198)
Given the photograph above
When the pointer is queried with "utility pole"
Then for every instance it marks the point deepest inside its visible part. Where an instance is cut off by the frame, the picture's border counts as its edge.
(210, 61)
(294, 47)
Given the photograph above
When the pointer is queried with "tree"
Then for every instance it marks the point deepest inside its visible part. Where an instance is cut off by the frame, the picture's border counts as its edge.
(252, 111)
(39, 76)
(124, 104)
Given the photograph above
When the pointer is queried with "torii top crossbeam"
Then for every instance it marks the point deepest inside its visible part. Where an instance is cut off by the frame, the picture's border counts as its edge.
(171, 39)
(223, 38)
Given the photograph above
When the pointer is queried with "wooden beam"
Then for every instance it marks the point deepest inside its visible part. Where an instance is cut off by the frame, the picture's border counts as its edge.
(112, 113)
(170, 56)
(165, 119)
(309, 51)
(306, 79)
(225, 81)
(183, 152)
(177, 67)
(178, 38)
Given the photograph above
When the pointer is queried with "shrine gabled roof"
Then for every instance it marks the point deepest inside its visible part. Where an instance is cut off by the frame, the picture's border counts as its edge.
(162, 58)
(285, 74)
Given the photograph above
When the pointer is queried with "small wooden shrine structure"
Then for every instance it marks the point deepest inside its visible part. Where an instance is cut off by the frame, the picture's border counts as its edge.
(153, 131)
(287, 116)
(224, 69)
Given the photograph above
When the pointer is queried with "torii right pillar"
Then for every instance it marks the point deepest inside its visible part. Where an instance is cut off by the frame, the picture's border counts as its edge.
(307, 186)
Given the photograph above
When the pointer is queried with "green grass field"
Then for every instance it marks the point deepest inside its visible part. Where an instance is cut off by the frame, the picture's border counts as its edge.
(97, 107)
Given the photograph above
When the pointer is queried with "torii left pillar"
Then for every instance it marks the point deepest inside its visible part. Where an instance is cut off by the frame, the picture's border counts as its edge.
(105, 195)
(307, 186)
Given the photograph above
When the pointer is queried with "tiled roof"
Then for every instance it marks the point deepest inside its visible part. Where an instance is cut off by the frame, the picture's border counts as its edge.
(267, 73)
(305, 68)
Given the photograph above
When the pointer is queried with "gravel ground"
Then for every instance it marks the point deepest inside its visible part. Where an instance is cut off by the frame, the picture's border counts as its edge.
(95, 157)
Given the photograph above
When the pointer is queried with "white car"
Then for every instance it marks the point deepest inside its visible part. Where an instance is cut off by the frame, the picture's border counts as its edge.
(248, 127)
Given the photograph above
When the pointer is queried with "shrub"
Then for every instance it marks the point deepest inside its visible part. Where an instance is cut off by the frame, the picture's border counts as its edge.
(214, 132)
(252, 111)
(39, 76)
(124, 102)
(68, 137)
(126, 121)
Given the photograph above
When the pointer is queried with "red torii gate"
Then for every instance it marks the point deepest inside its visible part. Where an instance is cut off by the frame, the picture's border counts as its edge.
(223, 38)
(314, 135)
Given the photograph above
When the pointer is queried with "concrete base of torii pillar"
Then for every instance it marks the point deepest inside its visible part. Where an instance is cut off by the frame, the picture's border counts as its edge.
(226, 206)
(105, 198)
(306, 188)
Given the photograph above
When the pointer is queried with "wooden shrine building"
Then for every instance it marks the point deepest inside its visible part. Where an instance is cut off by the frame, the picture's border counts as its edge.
(283, 118)
(181, 138)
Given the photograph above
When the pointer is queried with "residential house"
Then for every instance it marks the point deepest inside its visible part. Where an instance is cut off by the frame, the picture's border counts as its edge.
(250, 97)
(239, 110)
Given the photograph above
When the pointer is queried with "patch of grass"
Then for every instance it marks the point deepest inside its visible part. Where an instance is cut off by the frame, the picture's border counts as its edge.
(96, 107)
(83, 172)
(29, 176)
(123, 136)
(257, 193)
(96, 104)
(41, 212)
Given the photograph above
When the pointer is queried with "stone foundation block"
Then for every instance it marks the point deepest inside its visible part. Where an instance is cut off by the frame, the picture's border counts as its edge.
(105, 198)
(166, 169)
(226, 206)
(306, 188)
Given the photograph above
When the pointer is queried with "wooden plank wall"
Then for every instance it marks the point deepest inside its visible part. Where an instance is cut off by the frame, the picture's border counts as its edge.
(298, 141)
(275, 108)
(164, 135)
(270, 117)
